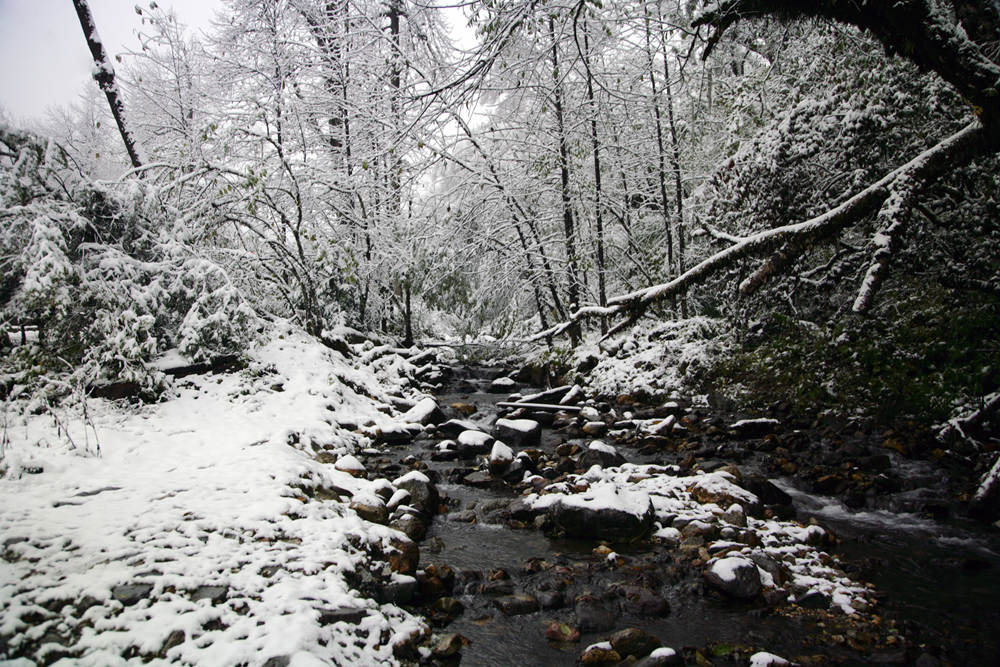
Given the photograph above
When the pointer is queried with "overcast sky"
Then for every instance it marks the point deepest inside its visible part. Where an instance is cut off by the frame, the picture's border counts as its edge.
(44, 60)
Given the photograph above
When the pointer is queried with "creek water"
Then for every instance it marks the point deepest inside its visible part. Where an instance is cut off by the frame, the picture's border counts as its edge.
(939, 580)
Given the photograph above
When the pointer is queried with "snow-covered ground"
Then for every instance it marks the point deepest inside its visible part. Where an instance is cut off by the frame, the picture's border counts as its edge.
(200, 534)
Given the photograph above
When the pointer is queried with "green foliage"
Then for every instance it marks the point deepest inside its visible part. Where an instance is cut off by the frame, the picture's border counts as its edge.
(918, 364)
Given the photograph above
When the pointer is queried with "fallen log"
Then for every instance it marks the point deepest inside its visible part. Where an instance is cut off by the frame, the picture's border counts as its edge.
(540, 406)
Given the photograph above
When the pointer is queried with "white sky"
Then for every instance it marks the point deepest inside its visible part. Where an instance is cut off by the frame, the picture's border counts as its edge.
(44, 60)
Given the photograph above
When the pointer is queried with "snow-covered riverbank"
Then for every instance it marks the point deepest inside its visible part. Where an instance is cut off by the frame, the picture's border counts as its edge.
(198, 534)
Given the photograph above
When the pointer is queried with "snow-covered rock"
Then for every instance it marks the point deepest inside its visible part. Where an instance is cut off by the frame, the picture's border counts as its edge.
(765, 659)
(735, 576)
(501, 456)
(425, 412)
(502, 385)
(519, 432)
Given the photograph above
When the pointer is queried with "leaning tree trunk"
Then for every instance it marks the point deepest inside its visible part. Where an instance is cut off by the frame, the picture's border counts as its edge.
(104, 75)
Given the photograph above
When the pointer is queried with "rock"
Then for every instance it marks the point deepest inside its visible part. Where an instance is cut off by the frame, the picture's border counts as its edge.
(754, 428)
(634, 642)
(766, 490)
(661, 657)
(412, 526)
(349, 615)
(662, 426)
(644, 602)
(561, 632)
(600, 654)
(351, 465)
(573, 396)
(472, 443)
(130, 594)
(448, 607)
(602, 454)
(517, 604)
(425, 412)
(519, 432)
(404, 555)
(370, 508)
(400, 589)
(501, 456)
(449, 645)
(453, 427)
(398, 497)
(813, 600)
(626, 515)
(478, 478)
(765, 659)
(466, 409)
(502, 385)
(423, 493)
(396, 434)
(435, 581)
(215, 594)
(735, 515)
(594, 429)
(592, 615)
(735, 576)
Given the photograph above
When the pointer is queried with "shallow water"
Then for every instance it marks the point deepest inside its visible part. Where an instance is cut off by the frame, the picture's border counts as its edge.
(943, 576)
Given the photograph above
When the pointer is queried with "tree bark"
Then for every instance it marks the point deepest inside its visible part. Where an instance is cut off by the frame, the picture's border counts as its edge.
(104, 75)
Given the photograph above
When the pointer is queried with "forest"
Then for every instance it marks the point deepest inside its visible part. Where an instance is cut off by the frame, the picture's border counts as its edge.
(734, 265)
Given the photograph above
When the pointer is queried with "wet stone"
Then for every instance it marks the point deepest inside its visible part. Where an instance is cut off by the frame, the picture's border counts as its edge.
(561, 632)
(634, 642)
(517, 604)
(349, 615)
(215, 594)
(130, 594)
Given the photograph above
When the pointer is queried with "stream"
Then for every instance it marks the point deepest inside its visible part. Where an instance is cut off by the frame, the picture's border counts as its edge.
(937, 583)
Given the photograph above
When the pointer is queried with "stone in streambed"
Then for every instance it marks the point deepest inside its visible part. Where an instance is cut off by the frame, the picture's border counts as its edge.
(502, 385)
(661, 657)
(604, 513)
(472, 443)
(501, 456)
(519, 432)
(561, 632)
(634, 642)
(600, 654)
(423, 493)
(735, 576)
(601, 454)
(425, 412)
(517, 604)
(593, 615)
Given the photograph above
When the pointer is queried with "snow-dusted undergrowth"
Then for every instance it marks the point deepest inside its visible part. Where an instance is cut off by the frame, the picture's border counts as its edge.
(209, 488)
(659, 358)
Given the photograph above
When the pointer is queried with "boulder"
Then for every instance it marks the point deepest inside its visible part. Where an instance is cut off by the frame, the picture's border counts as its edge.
(601, 454)
(502, 385)
(600, 654)
(517, 604)
(735, 576)
(351, 465)
(661, 657)
(634, 642)
(501, 456)
(474, 442)
(519, 432)
(453, 427)
(625, 515)
(423, 493)
(425, 412)
(370, 508)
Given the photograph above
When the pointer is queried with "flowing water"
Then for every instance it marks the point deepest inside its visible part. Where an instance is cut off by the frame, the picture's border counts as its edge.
(941, 581)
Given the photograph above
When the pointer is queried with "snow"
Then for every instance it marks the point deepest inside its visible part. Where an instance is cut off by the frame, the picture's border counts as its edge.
(420, 412)
(519, 425)
(662, 653)
(210, 487)
(601, 446)
(725, 568)
(501, 452)
(765, 659)
(474, 438)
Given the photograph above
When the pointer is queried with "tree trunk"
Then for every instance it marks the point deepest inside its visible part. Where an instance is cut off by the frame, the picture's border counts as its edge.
(602, 294)
(572, 270)
(661, 171)
(104, 75)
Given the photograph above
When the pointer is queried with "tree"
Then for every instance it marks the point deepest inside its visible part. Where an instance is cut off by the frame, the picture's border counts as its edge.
(930, 36)
(104, 75)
